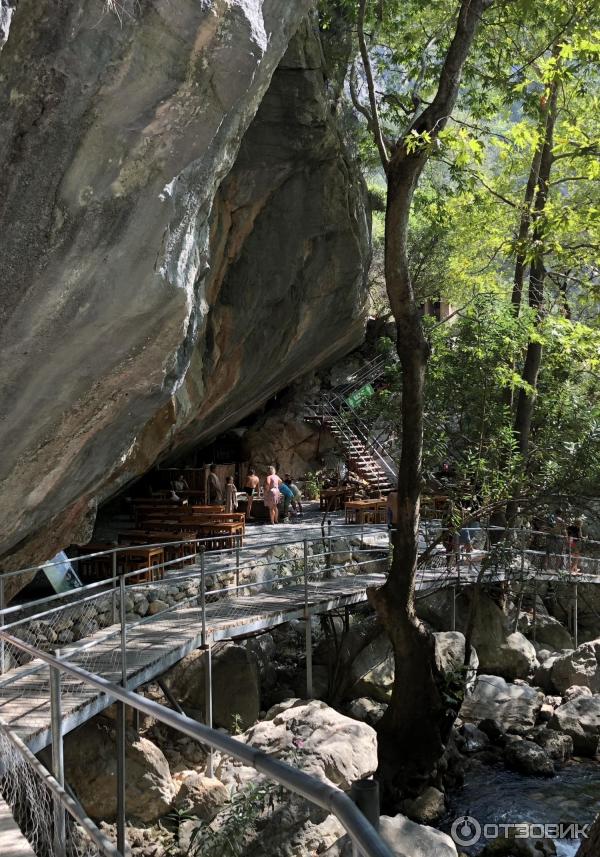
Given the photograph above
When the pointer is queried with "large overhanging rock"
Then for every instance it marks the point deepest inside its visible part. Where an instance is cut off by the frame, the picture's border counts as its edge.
(170, 259)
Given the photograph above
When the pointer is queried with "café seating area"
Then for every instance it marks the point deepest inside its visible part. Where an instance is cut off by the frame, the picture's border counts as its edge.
(175, 525)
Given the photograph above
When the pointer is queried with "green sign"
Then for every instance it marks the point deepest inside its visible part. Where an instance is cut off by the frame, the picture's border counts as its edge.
(360, 395)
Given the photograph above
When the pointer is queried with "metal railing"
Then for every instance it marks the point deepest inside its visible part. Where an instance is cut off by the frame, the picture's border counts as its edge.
(203, 610)
(328, 797)
(360, 431)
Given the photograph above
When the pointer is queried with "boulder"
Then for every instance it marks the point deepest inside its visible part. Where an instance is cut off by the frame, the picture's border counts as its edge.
(372, 670)
(580, 719)
(574, 691)
(548, 631)
(580, 667)
(514, 658)
(91, 770)
(515, 707)
(493, 729)
(201, 796)
(235, 682)
(542, 676)
(335, 748)
(556, 744)
(408, 839)
(527, 758)
(450, 657)
(475, 739)
(367, 710)
(427, 808)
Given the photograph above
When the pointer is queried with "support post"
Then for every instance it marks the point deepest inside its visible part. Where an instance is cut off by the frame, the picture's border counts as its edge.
(2, 643)
(122, 728)
(237, 567)
(203, 597)
(208, 704)
(534, 618)
(58, 767)
(114, 588)
(576, 617)
(308, 628)
(454, 608)
(365, 794)
(329, 561)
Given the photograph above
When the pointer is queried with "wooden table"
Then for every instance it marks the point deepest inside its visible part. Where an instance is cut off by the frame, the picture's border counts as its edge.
(180, 548)
(97, 567)
(149, 561)
(334, 498)
(365, 511)
(221, 535)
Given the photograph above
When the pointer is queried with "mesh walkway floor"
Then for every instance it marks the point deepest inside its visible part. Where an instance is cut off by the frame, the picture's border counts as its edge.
(154, 646)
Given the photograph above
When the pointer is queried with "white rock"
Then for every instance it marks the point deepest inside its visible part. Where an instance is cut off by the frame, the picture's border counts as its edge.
(335, 748)
(408, 839)
(515, 707)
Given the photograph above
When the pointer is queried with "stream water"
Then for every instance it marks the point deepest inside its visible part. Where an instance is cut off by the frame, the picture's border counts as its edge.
(496, 796)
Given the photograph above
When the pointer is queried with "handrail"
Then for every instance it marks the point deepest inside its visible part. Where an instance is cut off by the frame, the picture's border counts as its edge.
(74, 597)
(371, 443)
(328, 797)
(199, 540)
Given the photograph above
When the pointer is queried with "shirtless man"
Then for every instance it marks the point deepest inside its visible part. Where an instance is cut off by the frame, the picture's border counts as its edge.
(251, 487)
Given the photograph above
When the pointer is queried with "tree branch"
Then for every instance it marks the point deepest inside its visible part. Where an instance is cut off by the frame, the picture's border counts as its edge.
(364, 53)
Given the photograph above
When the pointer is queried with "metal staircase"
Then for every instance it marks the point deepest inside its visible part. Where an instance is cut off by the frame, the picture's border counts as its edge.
(366, 455)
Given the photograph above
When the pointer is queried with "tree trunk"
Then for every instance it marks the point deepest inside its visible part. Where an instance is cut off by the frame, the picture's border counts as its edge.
(537, 275)
(417, 723)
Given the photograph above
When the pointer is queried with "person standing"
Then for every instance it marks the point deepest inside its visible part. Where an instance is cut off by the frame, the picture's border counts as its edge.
(215, 489)
(272, 494)
(251, 488)
(230, 495)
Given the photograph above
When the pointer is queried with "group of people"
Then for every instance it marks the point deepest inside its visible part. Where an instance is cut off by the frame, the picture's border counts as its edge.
(275, 491)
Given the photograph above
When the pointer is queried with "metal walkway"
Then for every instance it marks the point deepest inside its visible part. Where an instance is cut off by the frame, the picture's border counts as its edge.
(154, 646)
(137, 650)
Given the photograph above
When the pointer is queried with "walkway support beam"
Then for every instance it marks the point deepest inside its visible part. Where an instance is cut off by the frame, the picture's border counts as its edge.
(58, 765)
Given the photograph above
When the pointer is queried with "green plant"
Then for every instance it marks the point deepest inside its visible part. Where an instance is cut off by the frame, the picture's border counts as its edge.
(312, 485)
(236, 724)
(237, 822)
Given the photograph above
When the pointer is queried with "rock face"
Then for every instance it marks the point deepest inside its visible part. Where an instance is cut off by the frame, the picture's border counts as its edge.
(235, 682)
(90, 768)
(199, 241)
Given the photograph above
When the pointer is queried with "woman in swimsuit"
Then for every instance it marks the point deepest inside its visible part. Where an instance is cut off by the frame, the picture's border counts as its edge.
(272, 494)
